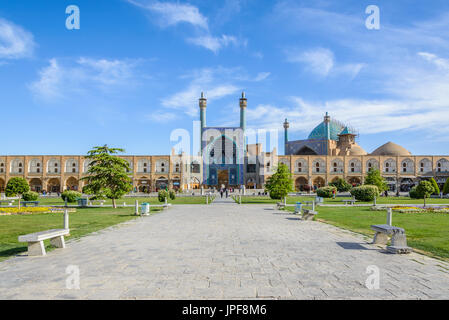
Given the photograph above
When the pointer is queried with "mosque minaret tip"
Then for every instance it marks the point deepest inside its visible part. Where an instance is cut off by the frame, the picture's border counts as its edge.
(243, 104)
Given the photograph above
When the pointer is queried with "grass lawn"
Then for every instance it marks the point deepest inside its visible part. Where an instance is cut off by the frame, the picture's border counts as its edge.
(428, 232)
(129, 201)
(338, 200)
(82, 222)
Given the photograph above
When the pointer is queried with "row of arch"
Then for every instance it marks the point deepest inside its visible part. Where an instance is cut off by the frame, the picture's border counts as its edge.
(17, 166)
(355, 165)
(302, 183)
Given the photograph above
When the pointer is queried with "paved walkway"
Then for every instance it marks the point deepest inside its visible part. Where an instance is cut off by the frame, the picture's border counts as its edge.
(223, 251)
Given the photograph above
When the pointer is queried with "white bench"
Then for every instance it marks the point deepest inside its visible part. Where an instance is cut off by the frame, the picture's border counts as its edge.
(308, 215)
(9, 202)
(398, 238)
(36, 240)
(351, 201)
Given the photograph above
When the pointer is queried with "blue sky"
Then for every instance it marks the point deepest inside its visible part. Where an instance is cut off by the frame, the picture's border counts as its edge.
(135, 69)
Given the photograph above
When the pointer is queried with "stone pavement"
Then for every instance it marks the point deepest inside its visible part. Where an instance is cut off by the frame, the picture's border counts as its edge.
(223, 251)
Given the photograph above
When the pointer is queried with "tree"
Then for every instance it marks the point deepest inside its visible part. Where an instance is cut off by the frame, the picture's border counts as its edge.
(280, 183)
(435, 186)
(17, 186)
(424, 190)
(107, 174)
(446, 187)
(341, 185)
(374, 178)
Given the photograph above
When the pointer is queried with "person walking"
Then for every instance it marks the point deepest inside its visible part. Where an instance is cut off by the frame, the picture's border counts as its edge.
(226, 193)
(221, 193)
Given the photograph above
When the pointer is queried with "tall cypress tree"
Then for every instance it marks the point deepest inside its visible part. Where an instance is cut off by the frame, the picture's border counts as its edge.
(435, 186)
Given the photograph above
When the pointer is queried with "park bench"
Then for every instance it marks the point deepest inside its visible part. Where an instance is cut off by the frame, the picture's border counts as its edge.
(398, 238)
(100, 202)
(9, 202)
(26, 203)
(281, 205)
(308, 214)
(351, 201)
(35, 241)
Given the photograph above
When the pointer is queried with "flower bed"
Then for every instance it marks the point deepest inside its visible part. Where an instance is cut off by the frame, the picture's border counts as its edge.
(32, 210)
(404, 209)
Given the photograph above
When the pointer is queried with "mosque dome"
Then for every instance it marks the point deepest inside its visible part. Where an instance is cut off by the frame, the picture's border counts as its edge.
(391, 149)
(319, 132)
(357, 150)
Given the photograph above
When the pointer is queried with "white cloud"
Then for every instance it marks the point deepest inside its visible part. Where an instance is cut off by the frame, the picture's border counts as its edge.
(162, 116)
(59, 80)
(174, 13)
(439, 62)
(321, 61)
(262, 76)
(15, 42)
(214, 44)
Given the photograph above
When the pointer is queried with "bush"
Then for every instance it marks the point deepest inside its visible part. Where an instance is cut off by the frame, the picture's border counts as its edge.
(16, 186)
(172, 195)
(341, 185)
(30, 196)
(413, 193)
(435, 187)
(446, 187)
(71, 196)
(326, 192)
(161, 195)
(365, 192)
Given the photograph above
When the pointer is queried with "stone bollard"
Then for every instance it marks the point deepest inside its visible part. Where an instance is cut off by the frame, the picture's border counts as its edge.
(389, 216)
(375, 201)
(66, 219)
(240, 199)
(313, 205)
(136, 210)
(207, 199)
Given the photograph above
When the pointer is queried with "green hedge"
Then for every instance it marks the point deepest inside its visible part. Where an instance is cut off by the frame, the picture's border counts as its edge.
(365, 192)
(71, 196)
(172, 194)
(30, 196)
(326, 192)
(161, 195)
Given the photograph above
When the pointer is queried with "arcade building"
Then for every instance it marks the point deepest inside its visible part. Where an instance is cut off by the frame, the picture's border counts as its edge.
(330, 151)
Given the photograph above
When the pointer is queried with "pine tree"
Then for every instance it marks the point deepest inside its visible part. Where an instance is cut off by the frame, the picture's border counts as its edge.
(280, 183)
(374, 178)
(107, 175)
(435, 186)
(446, 187)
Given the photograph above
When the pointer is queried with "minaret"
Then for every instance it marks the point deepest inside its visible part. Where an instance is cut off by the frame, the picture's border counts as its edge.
(243, 104)
(286, 126)
(327, 121)
(203, 106)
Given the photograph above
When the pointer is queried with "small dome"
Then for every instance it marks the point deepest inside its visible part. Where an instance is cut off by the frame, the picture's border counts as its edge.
(391, 149)
(357, 150)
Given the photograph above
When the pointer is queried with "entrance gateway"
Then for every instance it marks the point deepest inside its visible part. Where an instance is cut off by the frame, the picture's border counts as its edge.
(223, 178)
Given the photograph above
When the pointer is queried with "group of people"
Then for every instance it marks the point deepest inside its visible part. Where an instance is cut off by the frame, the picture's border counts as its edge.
(224, 191)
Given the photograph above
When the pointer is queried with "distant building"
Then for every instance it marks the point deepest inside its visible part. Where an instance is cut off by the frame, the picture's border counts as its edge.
(329, 152)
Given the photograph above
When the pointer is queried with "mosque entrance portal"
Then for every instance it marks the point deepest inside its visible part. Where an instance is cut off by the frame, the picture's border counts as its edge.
(223, 178)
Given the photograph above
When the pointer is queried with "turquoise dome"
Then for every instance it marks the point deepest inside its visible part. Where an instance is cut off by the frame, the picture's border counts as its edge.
(320, 131)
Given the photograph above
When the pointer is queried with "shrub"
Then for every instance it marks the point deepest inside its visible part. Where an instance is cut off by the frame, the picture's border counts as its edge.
(16, 186)
(365, 192)
(413, 193)
(30, 196)
(71, 196)
(161, 195)
(341, 185)
(172, 195)
(435, 187)
(326, 192)
(446, 187)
